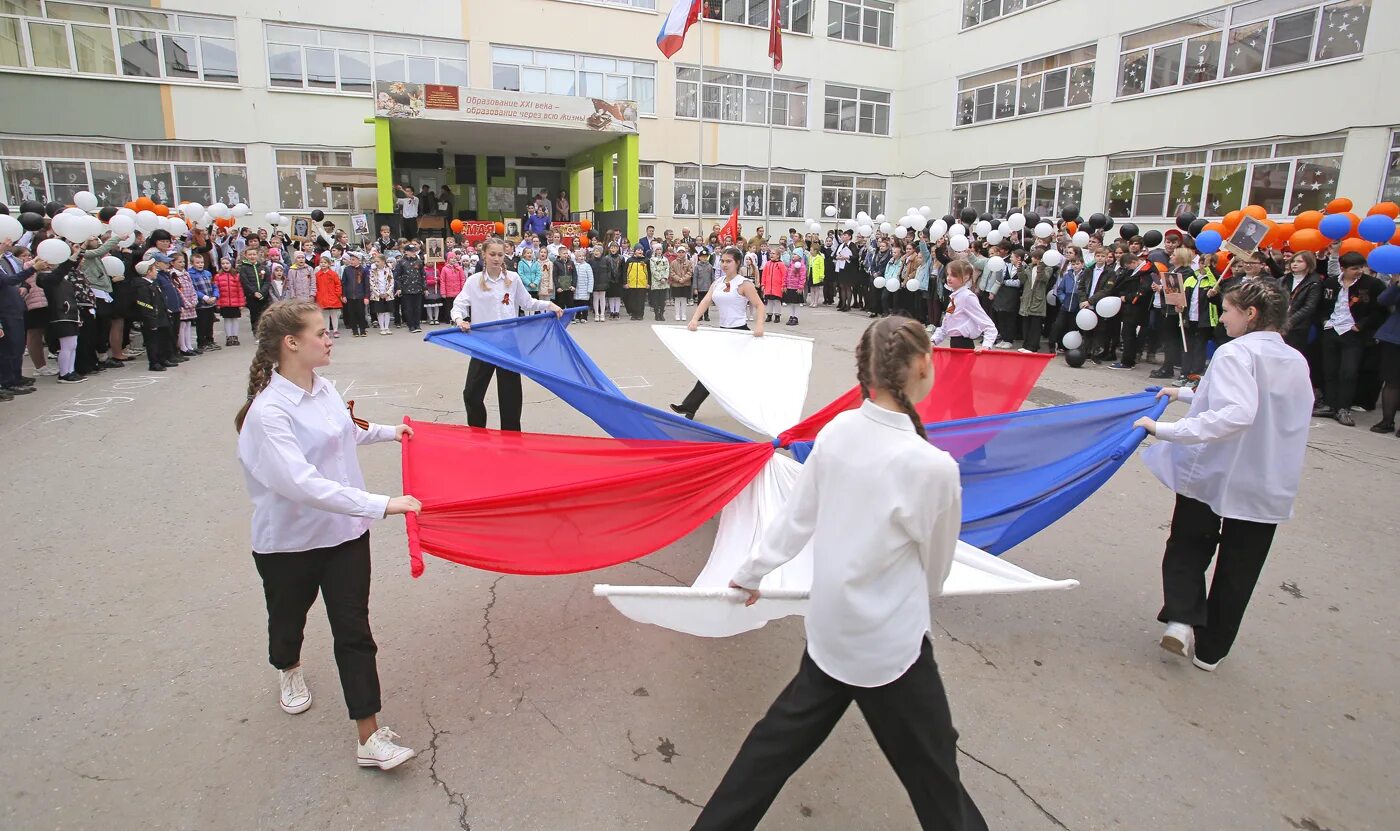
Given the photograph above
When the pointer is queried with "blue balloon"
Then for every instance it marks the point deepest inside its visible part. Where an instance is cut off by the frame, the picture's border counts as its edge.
(1335, 226)
(1385, 260)
(1209, 242)
(1378, 228)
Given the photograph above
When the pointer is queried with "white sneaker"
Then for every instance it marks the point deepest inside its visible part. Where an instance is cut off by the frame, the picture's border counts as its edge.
(1024, 351)
(296, 698)
(1178, 639)
(1001, 344)
(1205, 666)
(46, 371)
(381, 752)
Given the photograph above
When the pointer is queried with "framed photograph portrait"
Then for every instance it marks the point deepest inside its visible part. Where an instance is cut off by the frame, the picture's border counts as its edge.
(434, 251)
(512, 229)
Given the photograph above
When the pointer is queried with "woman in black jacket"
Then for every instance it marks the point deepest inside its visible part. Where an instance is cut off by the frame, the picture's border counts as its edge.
(607, 272)
(70, 297)
(1304, 287)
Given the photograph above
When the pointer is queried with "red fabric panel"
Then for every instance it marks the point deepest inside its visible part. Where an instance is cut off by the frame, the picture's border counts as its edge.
(966, 384)
(527, 503)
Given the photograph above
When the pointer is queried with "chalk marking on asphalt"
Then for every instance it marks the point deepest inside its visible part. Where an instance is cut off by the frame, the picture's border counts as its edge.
(631, 382)
(91, 406)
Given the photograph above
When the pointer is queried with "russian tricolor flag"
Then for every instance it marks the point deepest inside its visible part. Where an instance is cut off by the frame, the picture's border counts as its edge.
(672, 35)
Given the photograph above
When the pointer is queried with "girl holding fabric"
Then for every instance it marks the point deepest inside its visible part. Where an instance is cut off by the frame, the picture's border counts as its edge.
(1234, 462)
(869, 618)
(732, 296)
(311, 515)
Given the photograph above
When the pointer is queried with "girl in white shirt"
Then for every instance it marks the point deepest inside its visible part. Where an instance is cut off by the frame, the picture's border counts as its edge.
(733, 297)
(869, 619)
(965, 318)
(1234, 462)
(311, 514)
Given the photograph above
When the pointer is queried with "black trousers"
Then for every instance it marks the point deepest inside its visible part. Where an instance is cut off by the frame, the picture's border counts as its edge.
(354, 314)
(636, 302)
(1106, 336)
(909, 718)
(1064, 322)
(1130, 340)
(508, 394)
(1170, 331)
(340, 573)
(960, 342)
(1197, 336)
(413, 310)
(157, 345)
(1196, 534)
(12, 350)
(255, 310)
(698, 393)
(1031, 327)
(204, 326)
(1341, 366)
(90, 342)
(658, 299)
(1007, 324)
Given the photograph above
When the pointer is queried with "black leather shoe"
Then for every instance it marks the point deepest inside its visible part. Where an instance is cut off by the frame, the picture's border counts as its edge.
(170, 363)
(679, 410)
(16, 389)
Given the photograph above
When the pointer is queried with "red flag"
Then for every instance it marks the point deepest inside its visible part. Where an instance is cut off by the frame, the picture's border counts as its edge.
(730, 231)
(775, 36)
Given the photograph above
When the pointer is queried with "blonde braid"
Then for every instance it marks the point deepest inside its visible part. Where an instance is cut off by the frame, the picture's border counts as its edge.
(283, 318)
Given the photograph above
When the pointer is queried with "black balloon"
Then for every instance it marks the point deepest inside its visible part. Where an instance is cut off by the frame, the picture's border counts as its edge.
(984, 217)
(1129, 231)
(969, 215)
(1197, 227)
(31, 221)
(1184, 220)
(1079, 221)
(1107, 222)
(4, 209)
(1075, 357)
(318, 214)
(996, 223)
(949, 219)
(107, 213)
(1152, 239)
(31, 206)
(1032, 219)
(1069, 212)
(1098, 222)
(53, 209)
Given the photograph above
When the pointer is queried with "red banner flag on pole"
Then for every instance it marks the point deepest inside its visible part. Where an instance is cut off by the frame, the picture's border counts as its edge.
(730, 231)
(775, 36)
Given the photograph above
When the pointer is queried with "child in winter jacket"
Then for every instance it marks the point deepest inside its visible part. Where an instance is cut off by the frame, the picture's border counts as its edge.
(231, 299)
(329, 295)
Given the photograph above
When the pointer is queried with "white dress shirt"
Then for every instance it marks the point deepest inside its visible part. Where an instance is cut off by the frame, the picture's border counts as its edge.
(965, 318)
(297, 450)
(502, 297)
(1240, 448)
(883, 508)
(1341, 320)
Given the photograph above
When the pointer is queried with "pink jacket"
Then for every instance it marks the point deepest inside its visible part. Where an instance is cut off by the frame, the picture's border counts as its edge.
(451, 278)
(797, 274)
(34, 297)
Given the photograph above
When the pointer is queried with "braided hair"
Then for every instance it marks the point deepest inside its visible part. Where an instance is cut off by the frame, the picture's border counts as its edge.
(883, 358)
(283, 318)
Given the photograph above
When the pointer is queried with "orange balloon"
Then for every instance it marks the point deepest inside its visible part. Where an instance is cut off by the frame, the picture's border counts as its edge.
(1358, 245)
(456, 226)
(145, 204)
(1257, 212)
(585, 225)
(1308, 219)
(1222, 261)
(1217, 227)
(1072, 228)
(1389, 209)
(1340, 205)
(500, 227)
(1308, 239)
(1395, 240)
(1277, 236)
(1162, 267)
(160, 210)
(1232, 221)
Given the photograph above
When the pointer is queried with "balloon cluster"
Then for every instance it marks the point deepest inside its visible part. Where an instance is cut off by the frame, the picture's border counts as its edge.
(76, 223)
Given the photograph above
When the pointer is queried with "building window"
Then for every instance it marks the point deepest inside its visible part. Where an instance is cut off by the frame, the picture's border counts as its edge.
(853, 194)
(646, 189)
(54, 170)
(566, 73)
(796, 15)
(726, 188)
(1000, 191)
(861, 21)
(1256, 37)
(981, 11)
(297, 188)
(1285, 178)
(337, 60)
(854, 110)
(101, 40)
(1390, 187)
(649, 5)
(741, 98)
(1041, 85)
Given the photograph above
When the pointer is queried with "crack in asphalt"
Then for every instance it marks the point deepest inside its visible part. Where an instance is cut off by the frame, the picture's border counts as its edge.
(970, 645)
(679, 798)
(490, 642)
(636, 754)
(454, 798)
(666, 574)
(1008, 777)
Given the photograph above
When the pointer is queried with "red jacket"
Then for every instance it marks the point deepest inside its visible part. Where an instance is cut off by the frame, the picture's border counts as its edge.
(230, 290)
(327, 289)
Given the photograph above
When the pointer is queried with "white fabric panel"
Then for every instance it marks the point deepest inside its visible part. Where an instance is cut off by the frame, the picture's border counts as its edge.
(709, 610)
(762, 382)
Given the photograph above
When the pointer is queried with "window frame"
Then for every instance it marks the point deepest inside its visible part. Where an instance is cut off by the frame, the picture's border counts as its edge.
(306, 173)
(372, 51)
(1008, 176)
(1027, 5)
(747, 179)
(1392, 162)
(752, 84)
(1017, 82)
(579, 70)
(646, 172)
(747, 6)
(862, 7)
(834, 186)
(1222, 31)
(858, 101)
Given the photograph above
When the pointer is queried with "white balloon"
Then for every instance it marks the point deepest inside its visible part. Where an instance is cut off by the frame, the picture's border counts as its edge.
(917, 223)
(75, 211)
(863, 217)
(59, 224)
(240, 210)
(958, 244)
(125, 211)
(1053, 258)
(53, 251)
(93, 227)
(983, 228)
(867, 231)
(880, 218)
(219, 210)
(1044, 230)
(1016, 222)
(85, 200)
(1086, 319)
(1051, 299)
(1109, 306)
(129, 241)
(113, 266)
(176, 226)
(878, 282)
(122, 225)
(274, 219)
(901, 232)
(996, 263)
(912, 284)
(194, 211)
(938, 229)
(829, 210)
(885, 227)
(10, 229)
(1073, 340)
(957, 230)
(1080, 238)
(147, 221)
(893, 285)
(816, 227)
(926, 212)
(851, 224)
(994, 237)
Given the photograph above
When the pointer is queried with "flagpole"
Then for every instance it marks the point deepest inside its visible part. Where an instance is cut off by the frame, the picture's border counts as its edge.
(700, 120)
(768, 192)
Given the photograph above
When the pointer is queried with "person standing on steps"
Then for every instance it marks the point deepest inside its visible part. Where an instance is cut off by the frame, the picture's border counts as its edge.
(311, 515)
